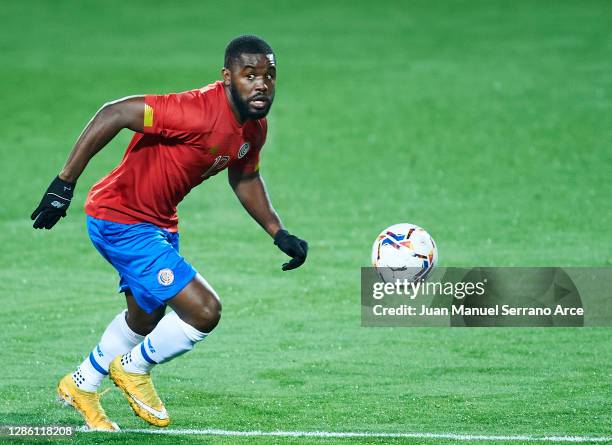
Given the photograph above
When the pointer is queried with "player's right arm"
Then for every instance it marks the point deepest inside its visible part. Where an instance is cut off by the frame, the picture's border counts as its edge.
(101, 129)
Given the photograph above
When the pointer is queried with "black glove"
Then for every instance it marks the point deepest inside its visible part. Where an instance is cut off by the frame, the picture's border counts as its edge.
(54, 204)
(296, 248)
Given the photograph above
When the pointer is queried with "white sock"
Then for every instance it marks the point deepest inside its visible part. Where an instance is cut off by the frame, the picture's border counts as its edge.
(117, 339)
(170, 338)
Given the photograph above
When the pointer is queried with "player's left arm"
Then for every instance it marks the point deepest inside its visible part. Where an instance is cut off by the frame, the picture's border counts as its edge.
(251, 192)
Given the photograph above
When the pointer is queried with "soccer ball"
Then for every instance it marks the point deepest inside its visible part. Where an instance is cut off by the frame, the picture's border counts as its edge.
(404, 252)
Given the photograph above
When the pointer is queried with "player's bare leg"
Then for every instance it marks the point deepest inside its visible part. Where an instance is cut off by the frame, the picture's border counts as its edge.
(138, 319)
(198, 305)
(80, 388)
(197, 310)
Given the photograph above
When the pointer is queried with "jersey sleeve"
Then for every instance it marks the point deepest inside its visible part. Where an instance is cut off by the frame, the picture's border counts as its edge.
(250, 162)
(175, 116)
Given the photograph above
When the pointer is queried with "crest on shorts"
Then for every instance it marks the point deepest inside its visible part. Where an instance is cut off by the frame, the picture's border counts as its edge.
(165, 277)
(244, 149)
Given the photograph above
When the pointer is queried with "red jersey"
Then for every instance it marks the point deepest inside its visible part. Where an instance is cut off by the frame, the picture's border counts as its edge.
(188, 137)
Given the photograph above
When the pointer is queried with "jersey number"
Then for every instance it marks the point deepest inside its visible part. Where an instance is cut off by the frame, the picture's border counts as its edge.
(218, 165)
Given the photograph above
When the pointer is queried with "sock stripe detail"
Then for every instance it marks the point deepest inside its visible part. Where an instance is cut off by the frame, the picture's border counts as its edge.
(96, 365)
(145, 355)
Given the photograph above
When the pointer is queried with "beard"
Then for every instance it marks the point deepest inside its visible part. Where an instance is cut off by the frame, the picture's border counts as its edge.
(242, 106)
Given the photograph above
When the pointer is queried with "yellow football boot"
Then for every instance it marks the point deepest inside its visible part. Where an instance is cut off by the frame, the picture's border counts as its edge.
(140, 393)
(86, 403)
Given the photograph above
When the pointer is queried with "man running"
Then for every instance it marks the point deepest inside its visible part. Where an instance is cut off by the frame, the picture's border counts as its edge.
(180, 140)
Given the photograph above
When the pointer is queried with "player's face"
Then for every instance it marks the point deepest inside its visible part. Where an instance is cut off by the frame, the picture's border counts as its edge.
(252, 81)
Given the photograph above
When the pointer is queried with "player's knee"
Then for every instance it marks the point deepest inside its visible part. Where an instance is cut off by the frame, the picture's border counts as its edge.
(208, 313)
(198, 305)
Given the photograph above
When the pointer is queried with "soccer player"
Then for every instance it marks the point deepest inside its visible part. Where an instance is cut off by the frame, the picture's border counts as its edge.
(180, 140)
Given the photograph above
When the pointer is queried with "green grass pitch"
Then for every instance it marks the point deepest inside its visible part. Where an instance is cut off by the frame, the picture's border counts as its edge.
(486, 122)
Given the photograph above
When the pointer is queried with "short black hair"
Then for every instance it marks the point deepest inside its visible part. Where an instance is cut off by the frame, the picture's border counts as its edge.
(246, 44)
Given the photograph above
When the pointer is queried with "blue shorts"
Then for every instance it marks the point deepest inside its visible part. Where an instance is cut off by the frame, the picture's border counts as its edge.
(146, 257)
